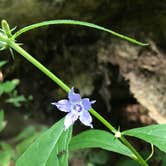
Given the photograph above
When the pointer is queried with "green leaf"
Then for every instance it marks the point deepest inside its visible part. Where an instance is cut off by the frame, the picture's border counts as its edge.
(99, 139)
(27, 137)
(61, 151)
(28, 131)
(161, 157)
(5, 154)
(95, 157)
(22, 147)
(2, 63)
(154, 134)
(74, 22)
(46, 149)
(2, 122)
(8, 86)
(16, 100)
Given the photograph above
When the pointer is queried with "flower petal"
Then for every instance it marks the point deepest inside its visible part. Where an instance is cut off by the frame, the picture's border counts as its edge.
(93, 101)
(86, 103)
(86, 118)
(70, 118)
(63, 105)
(74, 97)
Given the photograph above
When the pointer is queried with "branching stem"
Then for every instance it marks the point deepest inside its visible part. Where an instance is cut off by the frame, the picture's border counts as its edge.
(11, 44)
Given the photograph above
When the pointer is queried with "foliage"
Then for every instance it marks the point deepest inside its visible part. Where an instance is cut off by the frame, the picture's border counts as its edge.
(154, 134)
(22, 141)
(55, 144)
(52, 146)
(9, 88)
(6, 154)
(10, 95)
(2, 122)
(99, 139)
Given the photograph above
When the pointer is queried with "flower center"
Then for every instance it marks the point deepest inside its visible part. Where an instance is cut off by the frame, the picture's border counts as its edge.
(77, 107)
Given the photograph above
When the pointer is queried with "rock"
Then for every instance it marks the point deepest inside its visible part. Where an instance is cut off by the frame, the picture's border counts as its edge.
(145, 69)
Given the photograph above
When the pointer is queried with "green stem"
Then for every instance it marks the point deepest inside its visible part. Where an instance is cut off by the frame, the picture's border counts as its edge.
(102, 120)
(75, 22)
(122, 138)
(139, 157)
(27, 56)
(32, 60)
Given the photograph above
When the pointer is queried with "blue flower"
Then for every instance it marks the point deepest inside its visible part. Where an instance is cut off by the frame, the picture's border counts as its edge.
(77, 108)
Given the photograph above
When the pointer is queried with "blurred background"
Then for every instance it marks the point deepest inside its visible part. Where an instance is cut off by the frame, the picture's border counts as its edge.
(128, 81)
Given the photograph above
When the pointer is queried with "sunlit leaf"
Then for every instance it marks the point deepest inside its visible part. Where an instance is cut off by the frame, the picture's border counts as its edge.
(61, 151)
(99, 139)
(154, 134)
(47, 149)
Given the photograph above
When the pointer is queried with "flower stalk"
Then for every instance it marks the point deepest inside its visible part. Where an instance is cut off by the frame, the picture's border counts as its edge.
(36, 63)
(11, 44)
